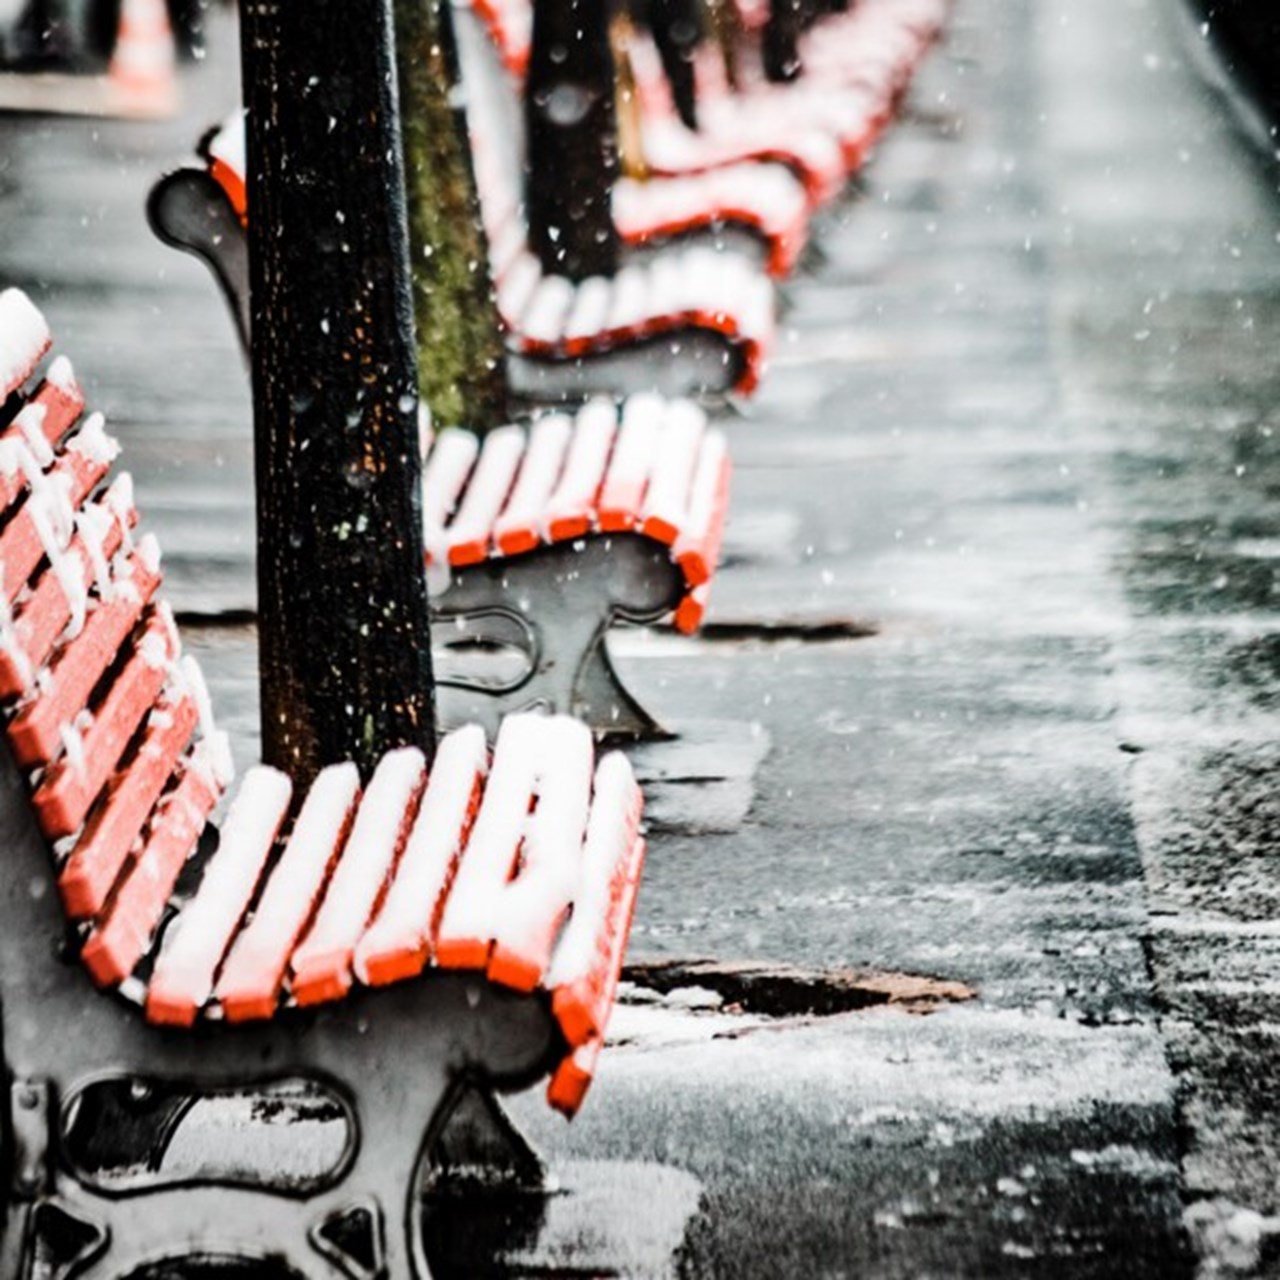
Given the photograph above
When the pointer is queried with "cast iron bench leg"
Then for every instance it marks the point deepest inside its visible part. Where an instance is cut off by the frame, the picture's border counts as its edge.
(189, 210)
(557, 603)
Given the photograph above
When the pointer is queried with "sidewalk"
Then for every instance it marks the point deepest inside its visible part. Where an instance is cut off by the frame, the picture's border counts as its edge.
(1019, 428)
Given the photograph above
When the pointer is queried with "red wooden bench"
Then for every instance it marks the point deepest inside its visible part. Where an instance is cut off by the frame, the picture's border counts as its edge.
(510, 875)
(553, 532)
(710, 315)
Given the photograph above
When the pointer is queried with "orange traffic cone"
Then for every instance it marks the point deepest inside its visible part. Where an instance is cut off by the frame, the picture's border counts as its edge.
(142, 75)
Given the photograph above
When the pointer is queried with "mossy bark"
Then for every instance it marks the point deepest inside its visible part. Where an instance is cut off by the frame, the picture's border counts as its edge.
(461, 374)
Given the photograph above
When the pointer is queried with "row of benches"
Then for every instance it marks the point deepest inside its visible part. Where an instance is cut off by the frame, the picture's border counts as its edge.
(763, 158)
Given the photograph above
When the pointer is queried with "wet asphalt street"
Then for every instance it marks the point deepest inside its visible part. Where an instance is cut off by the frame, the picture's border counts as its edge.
(1022, 430)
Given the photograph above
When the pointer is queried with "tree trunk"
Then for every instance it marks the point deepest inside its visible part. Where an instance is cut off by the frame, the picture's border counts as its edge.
(572, 130)
(461, 372)
(342, 602)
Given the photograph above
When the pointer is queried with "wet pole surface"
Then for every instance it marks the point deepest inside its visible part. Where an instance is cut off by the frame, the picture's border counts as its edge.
(1023, 421)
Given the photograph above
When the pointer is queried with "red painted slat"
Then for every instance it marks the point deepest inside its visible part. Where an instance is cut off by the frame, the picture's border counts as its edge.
(20, 546)
(42, 618)
(582, 1007)
(567, 1088)
(95, 863)
(65, 793)
(118, 942)
(34, 731)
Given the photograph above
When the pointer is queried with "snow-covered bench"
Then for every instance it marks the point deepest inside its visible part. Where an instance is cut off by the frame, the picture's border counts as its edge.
(552, 533)
(490, 892)
(702, 321)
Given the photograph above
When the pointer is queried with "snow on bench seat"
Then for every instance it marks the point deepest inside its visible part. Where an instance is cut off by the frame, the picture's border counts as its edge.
(650, 466)
(689, 288)
(768, 199)
(474, 863)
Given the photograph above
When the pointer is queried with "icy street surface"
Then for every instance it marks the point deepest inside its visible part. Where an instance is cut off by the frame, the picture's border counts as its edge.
(1023, 421)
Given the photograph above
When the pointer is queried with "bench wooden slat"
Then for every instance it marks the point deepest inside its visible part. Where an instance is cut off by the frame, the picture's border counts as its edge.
(633, 458)
(666, 502)
(516, 287)
(470, 535)
(582, 1008)
(183, 977)
(398, 942)
(252, 978)
(543, 319)
(529, 910)
(123, 936)
(320, 968)
(632, 304)
(697, 548)
(94, 865)
(588, 315)
(519, 527)
(68, 789)
(506, 243)
(492, 851)
(78, 470)
(584, 958)
(52, 411)
(567, 1088)
(34, 733)
(691, 610)
(42, 618)
(444, 475)
(572, 506)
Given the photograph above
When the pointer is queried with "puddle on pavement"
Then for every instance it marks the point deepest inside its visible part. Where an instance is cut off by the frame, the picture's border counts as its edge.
(662, 1002)
(816, 630)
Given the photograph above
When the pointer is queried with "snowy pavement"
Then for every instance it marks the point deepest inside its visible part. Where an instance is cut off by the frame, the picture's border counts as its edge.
(1021, 428)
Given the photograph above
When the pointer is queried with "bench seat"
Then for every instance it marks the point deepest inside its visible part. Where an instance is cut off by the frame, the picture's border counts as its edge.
(675, 295)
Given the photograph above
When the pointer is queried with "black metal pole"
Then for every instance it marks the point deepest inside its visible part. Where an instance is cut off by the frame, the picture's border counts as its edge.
(572, 134)
(342, 604)
(676, 26)
(780, 42)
